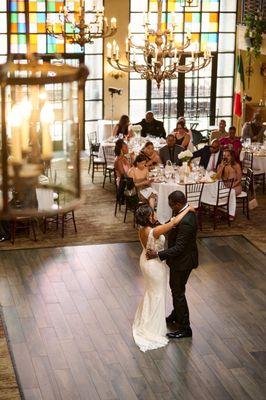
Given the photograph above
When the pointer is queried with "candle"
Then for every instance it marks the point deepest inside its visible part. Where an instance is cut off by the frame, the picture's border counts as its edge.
(192, 56)
(127, 46)
(171, 35)
(117, 52)
(188, 35)
(175, 56)
(15, 122)
(113, 23)
(47, 118)
(26, 109)
(148, 17)
(109, 50)
(114, 46)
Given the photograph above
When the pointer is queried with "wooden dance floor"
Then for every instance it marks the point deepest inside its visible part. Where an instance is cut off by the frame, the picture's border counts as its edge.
(69, 312)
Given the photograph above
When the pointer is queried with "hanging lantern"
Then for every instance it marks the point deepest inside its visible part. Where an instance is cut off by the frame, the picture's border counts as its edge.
(40, 102)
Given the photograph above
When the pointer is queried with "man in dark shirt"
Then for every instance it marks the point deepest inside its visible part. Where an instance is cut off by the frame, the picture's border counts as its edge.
(170, 151)
(151, 126)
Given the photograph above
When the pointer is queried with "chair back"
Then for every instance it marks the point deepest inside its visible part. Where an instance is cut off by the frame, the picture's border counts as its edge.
(194, 193)
(92, 137)
(109, 155)
(94, 148)
(247, 161)
(224, 191)
(196, 137)
(248, 181)
(93, 142)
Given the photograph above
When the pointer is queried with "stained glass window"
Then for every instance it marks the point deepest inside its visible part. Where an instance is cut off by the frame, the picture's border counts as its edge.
(27, 20)
(3, 31)
(212, 24)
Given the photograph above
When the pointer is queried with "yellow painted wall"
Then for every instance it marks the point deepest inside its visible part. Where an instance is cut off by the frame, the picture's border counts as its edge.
(120, 10)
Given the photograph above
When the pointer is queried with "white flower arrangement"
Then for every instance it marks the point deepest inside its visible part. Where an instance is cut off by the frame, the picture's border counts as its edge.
(136, 128)
(185, 155)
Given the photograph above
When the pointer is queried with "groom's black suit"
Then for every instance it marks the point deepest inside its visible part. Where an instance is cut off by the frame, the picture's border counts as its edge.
(181, 256)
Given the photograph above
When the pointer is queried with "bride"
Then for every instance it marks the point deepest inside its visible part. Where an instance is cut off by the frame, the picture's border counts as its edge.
(149, 326)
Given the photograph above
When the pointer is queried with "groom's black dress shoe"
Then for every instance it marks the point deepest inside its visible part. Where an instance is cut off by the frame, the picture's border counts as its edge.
(170, 319)
(180, 334)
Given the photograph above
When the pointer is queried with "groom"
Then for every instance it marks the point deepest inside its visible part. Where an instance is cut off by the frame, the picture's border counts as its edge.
(181, 257)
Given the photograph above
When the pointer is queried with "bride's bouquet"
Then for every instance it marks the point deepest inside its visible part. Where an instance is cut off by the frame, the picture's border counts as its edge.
(185, 156)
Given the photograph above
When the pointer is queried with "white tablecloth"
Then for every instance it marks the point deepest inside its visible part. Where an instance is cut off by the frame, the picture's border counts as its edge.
(105, 144)
(104, 129)
(164, 212)
(259, 162)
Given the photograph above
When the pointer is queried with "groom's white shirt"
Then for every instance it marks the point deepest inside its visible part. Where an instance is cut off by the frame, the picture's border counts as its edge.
(182, 209)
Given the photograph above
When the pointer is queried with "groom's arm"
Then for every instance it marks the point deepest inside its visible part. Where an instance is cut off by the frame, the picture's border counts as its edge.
(184, 235)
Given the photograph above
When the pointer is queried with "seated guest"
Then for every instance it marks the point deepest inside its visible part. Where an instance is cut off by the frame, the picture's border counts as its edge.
(254, 129)
(123, 127)
(182, 138)
(122, 163)
(140, 175)
(151, 126)
(210, 156)
(151, 155)
(231, 142)
(170, 151)
(220, 132)
(230, 169)
(182, 120)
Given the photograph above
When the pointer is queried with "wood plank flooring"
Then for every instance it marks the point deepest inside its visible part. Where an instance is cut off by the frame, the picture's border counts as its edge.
(69, 312)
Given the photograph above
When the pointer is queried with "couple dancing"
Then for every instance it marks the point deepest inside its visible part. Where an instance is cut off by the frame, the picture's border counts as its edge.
(149, 327)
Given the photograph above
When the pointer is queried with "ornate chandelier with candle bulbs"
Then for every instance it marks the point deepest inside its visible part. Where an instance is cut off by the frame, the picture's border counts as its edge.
(162, 56)
(73, 27)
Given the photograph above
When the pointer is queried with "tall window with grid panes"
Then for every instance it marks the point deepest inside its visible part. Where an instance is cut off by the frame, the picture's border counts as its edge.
(203, 96)
(22, 20)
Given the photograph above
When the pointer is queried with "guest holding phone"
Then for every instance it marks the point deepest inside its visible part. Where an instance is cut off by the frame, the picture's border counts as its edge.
(230, 169)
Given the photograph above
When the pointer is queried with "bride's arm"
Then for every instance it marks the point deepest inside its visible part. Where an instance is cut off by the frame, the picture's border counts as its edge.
(161, 229)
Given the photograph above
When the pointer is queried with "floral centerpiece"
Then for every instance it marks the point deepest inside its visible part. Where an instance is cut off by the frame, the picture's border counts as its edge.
(185, 156)
(136, 129)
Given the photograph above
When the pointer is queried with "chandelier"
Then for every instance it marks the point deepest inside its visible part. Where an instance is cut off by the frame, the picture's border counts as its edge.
(162, 55)
(74, 27)
(40, 103)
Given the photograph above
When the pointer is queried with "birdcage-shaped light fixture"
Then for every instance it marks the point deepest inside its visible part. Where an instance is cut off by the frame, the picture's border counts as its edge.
(40, 102)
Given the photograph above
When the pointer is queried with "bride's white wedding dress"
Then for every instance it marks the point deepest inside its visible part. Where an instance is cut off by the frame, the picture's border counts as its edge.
(149, 326)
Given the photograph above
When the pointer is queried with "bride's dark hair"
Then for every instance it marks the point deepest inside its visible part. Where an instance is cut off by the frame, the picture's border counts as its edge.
(143, 214)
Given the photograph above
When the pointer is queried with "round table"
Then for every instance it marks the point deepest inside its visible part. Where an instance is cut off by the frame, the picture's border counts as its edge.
(209, 194)
(259, 161)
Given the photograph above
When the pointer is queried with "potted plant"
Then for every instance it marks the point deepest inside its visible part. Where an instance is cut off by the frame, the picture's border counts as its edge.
(253, 34)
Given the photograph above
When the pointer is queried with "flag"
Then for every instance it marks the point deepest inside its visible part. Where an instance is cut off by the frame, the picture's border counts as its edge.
(240, 87)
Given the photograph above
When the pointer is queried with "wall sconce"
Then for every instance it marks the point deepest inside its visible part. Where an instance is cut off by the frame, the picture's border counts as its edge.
(116, 74)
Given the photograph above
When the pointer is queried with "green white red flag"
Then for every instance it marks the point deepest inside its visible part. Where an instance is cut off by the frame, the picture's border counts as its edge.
(239, 87)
